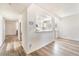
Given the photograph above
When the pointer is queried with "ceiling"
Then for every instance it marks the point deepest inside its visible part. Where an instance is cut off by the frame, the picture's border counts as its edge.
(12, 11)
(14, 7)
(60, 9)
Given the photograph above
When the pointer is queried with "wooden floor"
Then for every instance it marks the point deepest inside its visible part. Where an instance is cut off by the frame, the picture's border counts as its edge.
(12, 47)
(61, 47)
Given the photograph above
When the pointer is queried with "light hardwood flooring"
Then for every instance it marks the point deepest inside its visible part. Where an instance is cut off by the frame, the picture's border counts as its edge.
(61, 47)
(12, 47)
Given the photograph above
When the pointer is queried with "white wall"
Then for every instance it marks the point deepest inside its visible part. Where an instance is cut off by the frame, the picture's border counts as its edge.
(34, 40)
(10, 27)
(2, 37)
(69, 27)
(24, 31)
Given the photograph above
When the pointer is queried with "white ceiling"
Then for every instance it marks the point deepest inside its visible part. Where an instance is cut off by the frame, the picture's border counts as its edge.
(12, 11)
(60, 9)
(14, 7)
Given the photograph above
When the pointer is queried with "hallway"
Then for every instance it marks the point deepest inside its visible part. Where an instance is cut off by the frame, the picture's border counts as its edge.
(12, 47)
